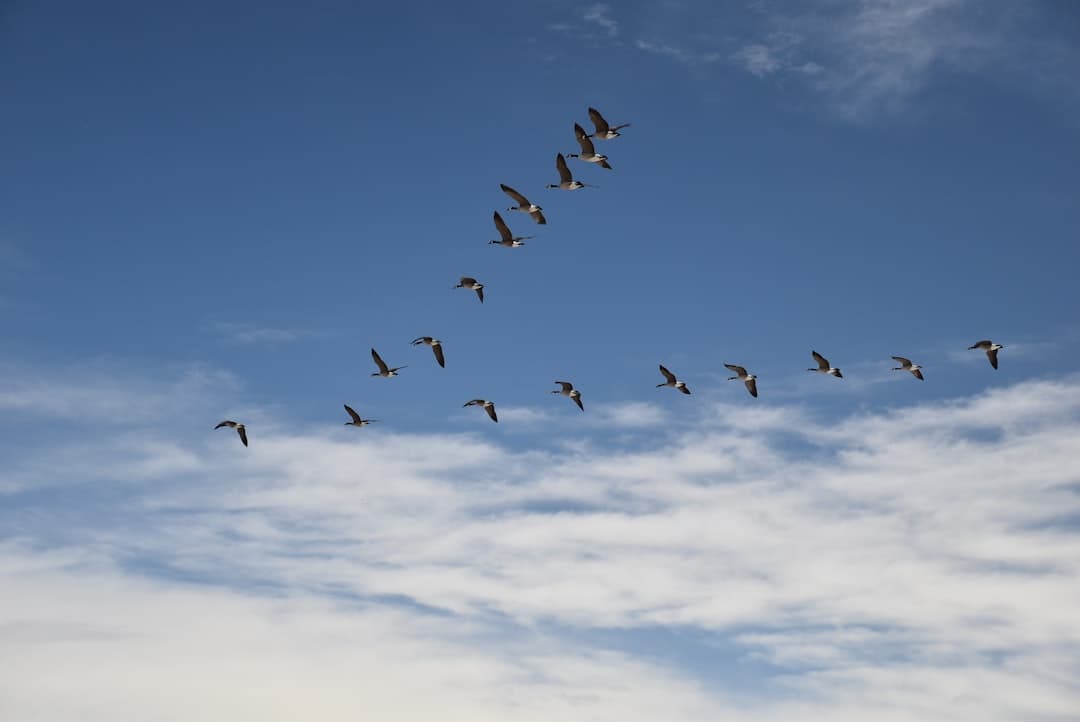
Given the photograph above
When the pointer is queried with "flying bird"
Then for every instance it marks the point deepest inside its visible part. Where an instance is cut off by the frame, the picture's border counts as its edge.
(356, 420)
(240, 429)
(384, 370)
(603, 130)
(824, 367)
(508, 239)
(566, 178)
(473, 285)
(588, 150)
(990, 348)
(569, 390)
(436, 347)
(906, 365)
(749, 379)
(524, 205)
(489, 407)
(672, 381)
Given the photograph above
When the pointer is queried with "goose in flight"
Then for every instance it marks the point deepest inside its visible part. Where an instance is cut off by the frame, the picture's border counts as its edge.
(588, 150)
(824, 367)
(603, 130)
(906, 365)
(566, 179)
(990, 348)
(569, 390)
(508, 239)
(489, 407)
(672, 381)
(384, 370)
(356, 420)
(749, 379)
(524, 205)
(473, 285)
(240, 429)
(436, 347)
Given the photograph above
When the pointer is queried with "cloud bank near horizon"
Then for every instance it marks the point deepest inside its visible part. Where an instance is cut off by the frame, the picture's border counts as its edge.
(915, 562)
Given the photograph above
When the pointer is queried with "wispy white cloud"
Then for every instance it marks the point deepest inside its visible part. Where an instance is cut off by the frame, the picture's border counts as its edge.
(105, 391)
(884, 52)
(245, 333)
(918, 563)
(94, 644)
(866, 58)
(627, 415)
(758, 59)
(681, 54)
(528, 416)
(595, 23)
(600, 14)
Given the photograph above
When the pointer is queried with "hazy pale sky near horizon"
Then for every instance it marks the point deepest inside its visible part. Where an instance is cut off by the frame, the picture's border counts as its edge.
(214, 210)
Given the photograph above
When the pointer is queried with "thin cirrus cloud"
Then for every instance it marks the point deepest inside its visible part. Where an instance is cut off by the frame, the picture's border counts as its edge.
(107, 391)
(681, 54)
(245, 333)
(624, 415)
(875, 57)
(594, 22)
(906, 564)
(600, 16)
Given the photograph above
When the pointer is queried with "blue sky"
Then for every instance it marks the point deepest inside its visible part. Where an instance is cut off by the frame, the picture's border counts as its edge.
(215, 212)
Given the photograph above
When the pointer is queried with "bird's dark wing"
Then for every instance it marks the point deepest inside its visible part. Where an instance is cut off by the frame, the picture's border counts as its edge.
(379, 362)
(821, 360)
(538, 216)
(566, 386)
(355, 416)
(598, 121)
(739, 370)
(564, 172)
(243, 434)
(667, 374)
(491, 412)
(502, 228)
(521, 200)
(230, 424)
(480, 293)
(587, 147)
(918, 374)
(992, 355)
(437, 349)
(751, 386)
(577, 400)
(905, 362)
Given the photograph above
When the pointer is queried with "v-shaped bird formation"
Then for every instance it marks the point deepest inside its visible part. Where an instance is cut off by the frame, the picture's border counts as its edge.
(603, 131)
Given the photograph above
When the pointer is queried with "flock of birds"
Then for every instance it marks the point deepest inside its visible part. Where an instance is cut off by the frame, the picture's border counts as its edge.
(588, 154)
